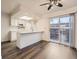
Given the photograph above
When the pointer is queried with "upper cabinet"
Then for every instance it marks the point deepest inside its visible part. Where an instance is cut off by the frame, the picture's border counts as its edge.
(14, 22)
(24, 25)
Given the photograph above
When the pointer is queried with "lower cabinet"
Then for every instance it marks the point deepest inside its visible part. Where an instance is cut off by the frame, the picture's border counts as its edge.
(13, 36)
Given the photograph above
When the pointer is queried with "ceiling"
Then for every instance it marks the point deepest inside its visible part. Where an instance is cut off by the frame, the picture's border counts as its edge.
(32, 7)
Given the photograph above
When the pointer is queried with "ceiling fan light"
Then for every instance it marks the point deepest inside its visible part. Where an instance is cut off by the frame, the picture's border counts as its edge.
(25, 18)
(56, 3)
(52, 2)
(52, 7)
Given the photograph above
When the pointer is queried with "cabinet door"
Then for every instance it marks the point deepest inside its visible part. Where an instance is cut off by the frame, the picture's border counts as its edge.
(13, 35)
(14, 22)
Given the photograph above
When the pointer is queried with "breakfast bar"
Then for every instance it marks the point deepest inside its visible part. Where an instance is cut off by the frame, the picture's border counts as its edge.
(28, 38)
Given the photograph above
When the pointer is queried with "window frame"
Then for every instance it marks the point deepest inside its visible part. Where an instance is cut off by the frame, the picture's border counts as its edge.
(70, 27)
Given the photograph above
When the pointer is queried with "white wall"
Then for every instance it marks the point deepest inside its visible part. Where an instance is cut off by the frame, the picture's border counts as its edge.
(43, 25)
(5, 27)
(62, 12)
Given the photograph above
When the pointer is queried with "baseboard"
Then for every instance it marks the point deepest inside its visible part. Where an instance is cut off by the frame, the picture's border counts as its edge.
(60, 43)
(74, 48)
(13, 40)
(46, 40)
(5, 42)
(30, 46)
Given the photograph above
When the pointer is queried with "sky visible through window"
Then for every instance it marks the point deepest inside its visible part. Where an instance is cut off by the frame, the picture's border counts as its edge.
(65, 20)
(62, 20)
(54, 21)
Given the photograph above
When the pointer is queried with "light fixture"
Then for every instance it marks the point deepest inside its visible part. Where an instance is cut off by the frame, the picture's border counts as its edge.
(53, 2)
(25, 18)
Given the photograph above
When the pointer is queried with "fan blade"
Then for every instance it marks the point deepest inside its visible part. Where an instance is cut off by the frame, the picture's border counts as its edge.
(44, 4)
(50, 7)
(60, 5)
(50, 0)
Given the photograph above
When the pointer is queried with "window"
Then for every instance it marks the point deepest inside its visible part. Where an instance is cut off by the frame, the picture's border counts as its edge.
(65, 21)
(60, 29)
(54, 33)
(54, 22)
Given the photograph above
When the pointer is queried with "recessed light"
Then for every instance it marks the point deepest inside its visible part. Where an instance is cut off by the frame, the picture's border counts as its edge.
(25, 18)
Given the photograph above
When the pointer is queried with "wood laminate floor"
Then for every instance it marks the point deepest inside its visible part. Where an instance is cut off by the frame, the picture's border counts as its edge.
(41, 50)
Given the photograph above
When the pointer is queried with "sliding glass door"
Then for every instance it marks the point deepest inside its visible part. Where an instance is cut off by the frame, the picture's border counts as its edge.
(54, 30)
(60, 29)
(54, 34)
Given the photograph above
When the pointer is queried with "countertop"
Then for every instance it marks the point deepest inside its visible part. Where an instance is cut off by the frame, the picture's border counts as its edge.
(30, 32)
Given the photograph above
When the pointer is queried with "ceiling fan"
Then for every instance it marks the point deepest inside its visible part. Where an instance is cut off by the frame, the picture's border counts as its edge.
(53, 2)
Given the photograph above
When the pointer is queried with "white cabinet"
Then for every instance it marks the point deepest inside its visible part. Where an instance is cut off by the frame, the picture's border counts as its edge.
(26, 39)
(13, 35)
(14, 22)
